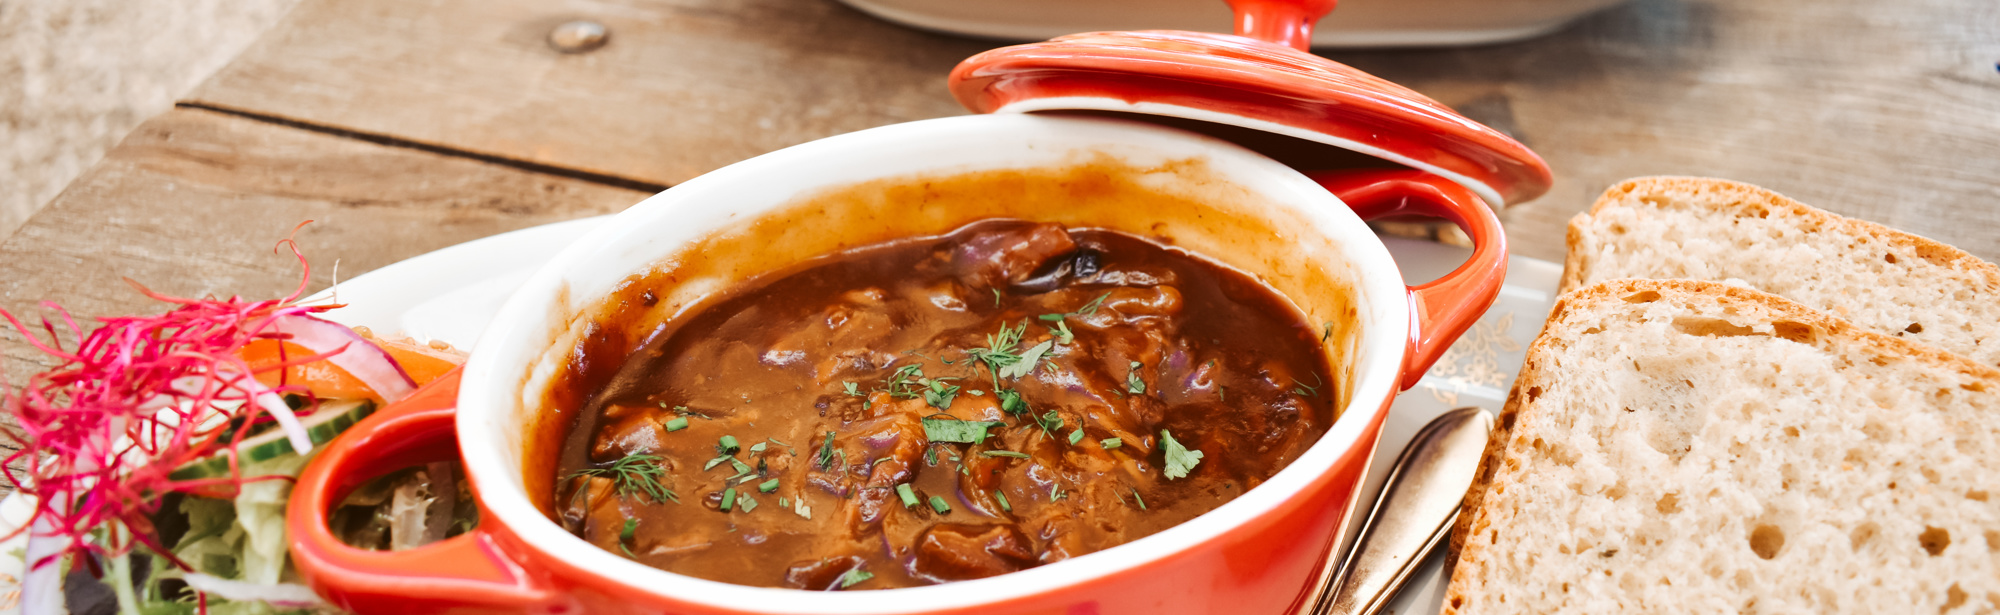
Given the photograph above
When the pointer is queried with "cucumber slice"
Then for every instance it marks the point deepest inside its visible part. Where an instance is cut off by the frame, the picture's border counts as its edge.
(332, 418)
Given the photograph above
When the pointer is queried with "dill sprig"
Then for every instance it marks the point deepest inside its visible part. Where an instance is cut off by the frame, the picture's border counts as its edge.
(635, 473)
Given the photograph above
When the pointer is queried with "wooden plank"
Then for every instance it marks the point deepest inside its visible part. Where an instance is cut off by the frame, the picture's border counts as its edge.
(192, 203)
(1888, 111)
(1882, 110)
(682, 87)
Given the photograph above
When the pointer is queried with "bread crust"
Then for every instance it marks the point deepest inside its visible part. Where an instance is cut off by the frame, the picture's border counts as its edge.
(1745, 200)
(1535, 371)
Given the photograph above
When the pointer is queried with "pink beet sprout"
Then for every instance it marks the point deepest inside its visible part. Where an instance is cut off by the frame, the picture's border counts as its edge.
(136, 398)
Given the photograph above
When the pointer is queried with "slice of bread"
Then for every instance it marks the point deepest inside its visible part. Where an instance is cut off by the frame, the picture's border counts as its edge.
(1723, 231)
(1678, 446)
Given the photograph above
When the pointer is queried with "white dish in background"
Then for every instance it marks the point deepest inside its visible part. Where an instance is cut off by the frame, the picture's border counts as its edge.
(1356, 23)
(450, 294)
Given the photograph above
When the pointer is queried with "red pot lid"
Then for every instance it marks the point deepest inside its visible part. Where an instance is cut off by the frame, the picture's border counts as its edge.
(1267, 84)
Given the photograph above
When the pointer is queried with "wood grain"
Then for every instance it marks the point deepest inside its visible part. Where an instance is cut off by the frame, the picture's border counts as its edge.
(1888, 111)
(682, 87)
(193, 202)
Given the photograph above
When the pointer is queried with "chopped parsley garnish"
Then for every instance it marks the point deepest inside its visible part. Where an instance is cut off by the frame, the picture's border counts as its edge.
(1091, 308)
(1010, 401)
(728, 499)
(1062, 333)
(782, 443)
(1026, 362)
(1133, 384)
(678, 423)
(996, 297)
(625, 536)
(716, 462)
(1005, 454)
(856, 576)
(939, 394)
(768, 486)
(906, 382)
(999, 351)
(727, 446)
(757, 448)
(747, 504)
(1179, 458)
(1136, 498)
(909, 497)
(953, 430)
(825, 460)
(1075, 437)
(1003, 501)
(1050, 422)
(1055, 492)
(1111, 443)
(938, 504)
(742, 469)
(1051, 317)
(640, 473)
(1307, 391)
(851, 389)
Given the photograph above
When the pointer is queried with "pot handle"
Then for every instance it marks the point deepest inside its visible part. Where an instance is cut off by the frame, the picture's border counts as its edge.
(1445, 308)
(1283, 22)
(468, 570)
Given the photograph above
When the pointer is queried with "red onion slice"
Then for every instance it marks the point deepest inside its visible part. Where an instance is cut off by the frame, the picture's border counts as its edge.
(361, 358)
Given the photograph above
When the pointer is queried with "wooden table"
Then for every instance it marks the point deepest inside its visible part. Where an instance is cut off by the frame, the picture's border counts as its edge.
(402, 126)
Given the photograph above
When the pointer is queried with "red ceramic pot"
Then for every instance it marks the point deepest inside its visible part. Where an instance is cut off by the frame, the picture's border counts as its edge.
(1301, 231)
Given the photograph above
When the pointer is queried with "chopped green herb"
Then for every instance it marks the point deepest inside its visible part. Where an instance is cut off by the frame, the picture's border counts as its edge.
(1050, 422)
(976, 392)
(716, 462)
(1091, 308)
(906, 382)
(996, 297)
(938, 504)
(909, 497)
(728, 499)
(757, 448)
(856, 576)
(1111, 443)
(741, 468)
(1075, 437)
(1132, 382)
(1027, 361)
(1055, 492)
(826, 452)
(784, 503)
(677, 424)
(640, 473)
(684, 411)
(1179, 458)
(1307, 391)
(1003, 501)
(625, 535)
(1051, 317)
(727, 446)
(1326, 332)
(768, 486)
(1011, 402)
(939, 395)
(1136, 498)
(1005, 454)
(953, 430)
(851, 389)
(746, 503)
(782, 443)
(1062, 333)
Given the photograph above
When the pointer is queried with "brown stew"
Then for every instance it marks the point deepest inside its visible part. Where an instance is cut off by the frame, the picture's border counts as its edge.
(943, 408)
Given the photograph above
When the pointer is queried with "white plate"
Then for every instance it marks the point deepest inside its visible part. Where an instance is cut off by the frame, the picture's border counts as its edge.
(450, 294)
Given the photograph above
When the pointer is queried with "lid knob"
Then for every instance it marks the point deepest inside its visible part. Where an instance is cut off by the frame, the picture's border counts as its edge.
(1284, 22)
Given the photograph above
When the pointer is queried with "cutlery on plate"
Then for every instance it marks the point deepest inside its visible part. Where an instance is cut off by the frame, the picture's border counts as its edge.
(1418, 505)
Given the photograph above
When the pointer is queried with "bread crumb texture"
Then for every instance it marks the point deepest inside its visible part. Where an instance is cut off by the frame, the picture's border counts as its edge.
(1707, 229)
(1684, 447)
